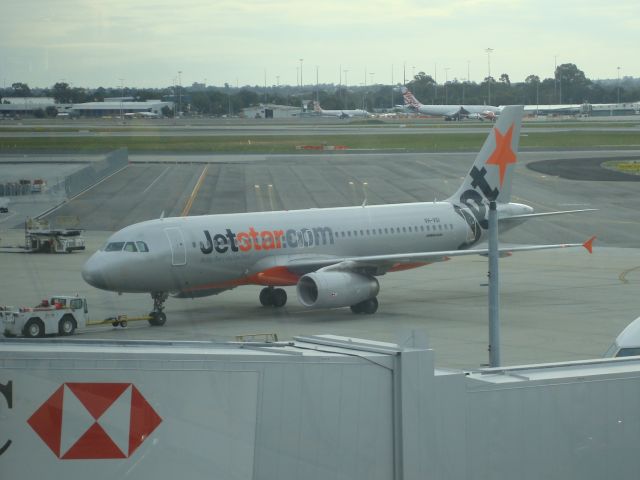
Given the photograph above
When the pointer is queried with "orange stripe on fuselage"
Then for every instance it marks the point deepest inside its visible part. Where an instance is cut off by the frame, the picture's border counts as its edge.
(399, 267)
(271, 277)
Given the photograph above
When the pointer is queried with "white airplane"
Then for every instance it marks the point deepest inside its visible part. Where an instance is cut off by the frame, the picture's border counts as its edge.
(339, 113)
(450, 112)
(142, 115)
(332, 255)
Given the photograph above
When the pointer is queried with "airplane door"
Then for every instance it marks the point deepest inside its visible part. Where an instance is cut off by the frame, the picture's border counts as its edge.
(178, 249)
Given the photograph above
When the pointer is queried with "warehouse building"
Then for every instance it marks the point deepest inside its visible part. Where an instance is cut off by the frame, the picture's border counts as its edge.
(120, 108)
(271, 111)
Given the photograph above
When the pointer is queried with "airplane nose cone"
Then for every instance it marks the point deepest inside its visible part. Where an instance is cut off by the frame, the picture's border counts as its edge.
(92, 274)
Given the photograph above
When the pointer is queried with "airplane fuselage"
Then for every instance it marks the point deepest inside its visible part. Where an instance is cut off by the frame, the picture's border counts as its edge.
(217, 252)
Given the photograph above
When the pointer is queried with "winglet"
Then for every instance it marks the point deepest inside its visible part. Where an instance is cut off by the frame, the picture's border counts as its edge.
(589, 244)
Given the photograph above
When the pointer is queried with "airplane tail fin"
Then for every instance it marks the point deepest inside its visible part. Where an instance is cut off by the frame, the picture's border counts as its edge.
(316, 107)
(409, 99)
(490, 176)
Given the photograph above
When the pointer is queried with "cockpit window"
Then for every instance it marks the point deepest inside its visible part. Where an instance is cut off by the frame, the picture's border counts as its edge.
(130, 247)
(114, 247)
(628, 352)
(142, 247)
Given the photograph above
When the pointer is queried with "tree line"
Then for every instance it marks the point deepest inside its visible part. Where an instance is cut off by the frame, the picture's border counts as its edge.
(569, 85)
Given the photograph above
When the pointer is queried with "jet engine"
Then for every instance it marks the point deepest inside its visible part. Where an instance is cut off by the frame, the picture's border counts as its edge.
(335, 289)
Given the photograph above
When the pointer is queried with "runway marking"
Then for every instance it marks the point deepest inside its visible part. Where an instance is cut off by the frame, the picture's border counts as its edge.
(623, 276)
(157, 178)
(193, 195)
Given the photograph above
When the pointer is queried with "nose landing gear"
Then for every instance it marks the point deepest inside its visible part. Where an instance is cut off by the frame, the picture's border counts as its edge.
(157, 317)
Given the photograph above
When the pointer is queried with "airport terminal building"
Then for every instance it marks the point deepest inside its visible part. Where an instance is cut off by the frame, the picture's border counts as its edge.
(29, 106)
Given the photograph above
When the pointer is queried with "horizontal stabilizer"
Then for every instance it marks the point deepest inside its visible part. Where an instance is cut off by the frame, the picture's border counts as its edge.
(546, 214)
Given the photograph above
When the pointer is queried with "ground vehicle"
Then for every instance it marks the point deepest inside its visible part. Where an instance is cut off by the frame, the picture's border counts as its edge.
(58, 315)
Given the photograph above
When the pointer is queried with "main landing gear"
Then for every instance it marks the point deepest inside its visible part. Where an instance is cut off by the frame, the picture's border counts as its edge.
(368, 306)
(157, 317)
(273, 297)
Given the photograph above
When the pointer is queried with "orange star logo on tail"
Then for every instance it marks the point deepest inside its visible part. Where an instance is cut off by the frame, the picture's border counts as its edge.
(503, 155)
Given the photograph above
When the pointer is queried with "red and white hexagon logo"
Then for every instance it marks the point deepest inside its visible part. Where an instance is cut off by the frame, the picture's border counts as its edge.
(94, 420)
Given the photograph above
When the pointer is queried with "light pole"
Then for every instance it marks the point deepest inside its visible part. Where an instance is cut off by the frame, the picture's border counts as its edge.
(346, 86)
(392, 86)
(121, 98)
(488, 51)
(555, 78)
(179, 93)
(446, 80)
(618, 84)
(301, 84)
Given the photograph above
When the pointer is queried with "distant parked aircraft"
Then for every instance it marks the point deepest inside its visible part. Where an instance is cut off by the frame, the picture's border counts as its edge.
(450, 112)
(339, 113)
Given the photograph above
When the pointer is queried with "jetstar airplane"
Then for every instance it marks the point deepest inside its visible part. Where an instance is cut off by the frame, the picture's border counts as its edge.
(339, 113)
(332, 255)
(450, 112)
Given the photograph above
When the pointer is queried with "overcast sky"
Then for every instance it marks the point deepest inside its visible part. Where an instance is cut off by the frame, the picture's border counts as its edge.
(91, 43)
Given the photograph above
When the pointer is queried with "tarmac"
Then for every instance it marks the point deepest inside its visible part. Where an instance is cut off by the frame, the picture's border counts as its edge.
(555, 305)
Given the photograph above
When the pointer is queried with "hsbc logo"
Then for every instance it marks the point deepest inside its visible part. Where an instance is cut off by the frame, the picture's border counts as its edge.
(94, 421)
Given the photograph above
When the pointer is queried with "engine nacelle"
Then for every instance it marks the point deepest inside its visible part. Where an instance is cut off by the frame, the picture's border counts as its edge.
(335, 289)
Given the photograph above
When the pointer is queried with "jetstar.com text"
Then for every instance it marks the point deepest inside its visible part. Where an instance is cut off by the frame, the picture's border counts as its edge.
(265, 239)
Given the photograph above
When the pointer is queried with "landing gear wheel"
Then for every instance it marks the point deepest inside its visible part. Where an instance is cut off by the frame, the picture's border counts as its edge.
(266, 297)
(369, 306)
(157, 319)
(34, 328)
(279, 297)
(67, 325)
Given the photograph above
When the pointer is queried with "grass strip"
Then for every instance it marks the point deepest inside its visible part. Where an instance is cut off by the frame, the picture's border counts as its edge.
(429, 142)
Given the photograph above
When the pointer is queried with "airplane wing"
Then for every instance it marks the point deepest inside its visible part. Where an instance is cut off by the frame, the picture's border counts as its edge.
(380, 264)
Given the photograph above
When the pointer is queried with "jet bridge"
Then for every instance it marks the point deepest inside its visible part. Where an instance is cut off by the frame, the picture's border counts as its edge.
(315, 408)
